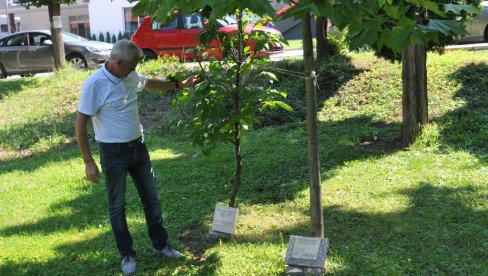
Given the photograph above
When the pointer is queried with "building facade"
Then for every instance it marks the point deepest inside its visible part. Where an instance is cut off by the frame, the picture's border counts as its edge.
(85, 18)
(74, 18)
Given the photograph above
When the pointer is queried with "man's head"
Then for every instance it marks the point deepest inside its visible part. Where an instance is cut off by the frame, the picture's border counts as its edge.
(124, 57)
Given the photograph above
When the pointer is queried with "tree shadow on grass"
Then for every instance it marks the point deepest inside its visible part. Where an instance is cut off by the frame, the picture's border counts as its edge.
(466, 128)
(19, 140)
(15, 85)
(441, 232)
(331, 75)
(275, 161)
(86, 250)
(96, 256)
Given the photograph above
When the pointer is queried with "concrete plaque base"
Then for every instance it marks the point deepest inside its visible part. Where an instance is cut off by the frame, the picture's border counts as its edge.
(216, 235)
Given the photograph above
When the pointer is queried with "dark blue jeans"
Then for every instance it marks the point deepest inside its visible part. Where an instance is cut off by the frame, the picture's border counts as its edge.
(117, 160)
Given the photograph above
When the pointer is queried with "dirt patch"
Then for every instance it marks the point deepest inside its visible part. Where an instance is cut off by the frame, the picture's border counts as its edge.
(194, 237)
(152, 113)
(382, 146)
(6, 154)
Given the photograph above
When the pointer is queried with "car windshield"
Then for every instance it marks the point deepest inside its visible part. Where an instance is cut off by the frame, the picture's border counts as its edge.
(227, 20)
(69, 37)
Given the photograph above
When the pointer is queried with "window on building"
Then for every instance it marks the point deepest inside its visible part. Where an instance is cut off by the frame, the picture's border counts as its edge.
(80, 25)
(3, 28)
(131, 22)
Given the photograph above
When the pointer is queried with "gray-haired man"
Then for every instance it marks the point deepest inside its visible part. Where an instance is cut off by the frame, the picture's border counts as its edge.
(109, 97)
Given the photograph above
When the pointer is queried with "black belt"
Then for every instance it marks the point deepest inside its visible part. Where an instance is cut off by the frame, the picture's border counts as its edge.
(128, 144)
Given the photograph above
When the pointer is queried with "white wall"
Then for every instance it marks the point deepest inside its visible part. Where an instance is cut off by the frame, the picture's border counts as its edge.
(107, 16)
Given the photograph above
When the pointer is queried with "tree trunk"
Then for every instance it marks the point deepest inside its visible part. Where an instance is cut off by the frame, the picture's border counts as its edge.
(56, 37)
(313, 149)
(414, 79)
(324, 48)
(237, 125)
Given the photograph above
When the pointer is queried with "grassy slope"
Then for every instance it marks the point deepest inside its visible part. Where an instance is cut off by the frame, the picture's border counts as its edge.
(386, 211)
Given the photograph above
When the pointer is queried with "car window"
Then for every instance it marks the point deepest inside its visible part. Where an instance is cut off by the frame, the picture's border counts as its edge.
(227, 20)
(17, 40)
(69, 37)
(172, 25)
(193, 21)
(37, 39)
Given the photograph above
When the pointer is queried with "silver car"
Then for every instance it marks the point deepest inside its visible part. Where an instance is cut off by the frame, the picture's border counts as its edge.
(478, 26)
(30, 52)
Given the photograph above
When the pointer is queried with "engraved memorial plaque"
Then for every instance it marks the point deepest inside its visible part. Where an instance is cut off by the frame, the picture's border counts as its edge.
(225, 219)
(307, 251)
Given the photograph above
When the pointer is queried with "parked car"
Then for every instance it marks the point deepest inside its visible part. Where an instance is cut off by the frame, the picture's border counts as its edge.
(179, 36)
(30, 52)
(478, 26)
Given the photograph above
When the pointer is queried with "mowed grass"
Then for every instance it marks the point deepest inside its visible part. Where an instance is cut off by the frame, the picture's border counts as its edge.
(387, 211)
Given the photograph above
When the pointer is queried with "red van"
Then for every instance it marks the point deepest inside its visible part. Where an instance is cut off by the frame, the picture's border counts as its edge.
(179, 36)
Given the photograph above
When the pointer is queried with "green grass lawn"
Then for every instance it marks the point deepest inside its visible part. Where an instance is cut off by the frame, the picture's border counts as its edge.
(387, 211)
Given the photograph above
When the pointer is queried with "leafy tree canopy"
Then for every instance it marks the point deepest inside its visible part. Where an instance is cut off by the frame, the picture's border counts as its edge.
(389, 26)
(164, 9)
(40, 3)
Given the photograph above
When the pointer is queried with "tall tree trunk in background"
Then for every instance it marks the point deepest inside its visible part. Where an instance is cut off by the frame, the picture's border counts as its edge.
(313, 148)
(414, 79)
(324, 48)
(56, 36)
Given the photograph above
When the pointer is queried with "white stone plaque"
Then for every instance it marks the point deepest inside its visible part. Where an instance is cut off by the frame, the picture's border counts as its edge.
(225, 219)
(307, 251)
(57, 24)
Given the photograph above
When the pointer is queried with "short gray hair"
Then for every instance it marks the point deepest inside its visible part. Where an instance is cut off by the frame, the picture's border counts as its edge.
(126, 50)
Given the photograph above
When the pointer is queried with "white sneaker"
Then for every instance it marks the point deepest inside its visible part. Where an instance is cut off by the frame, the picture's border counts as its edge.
(169, 252)
(128, 265)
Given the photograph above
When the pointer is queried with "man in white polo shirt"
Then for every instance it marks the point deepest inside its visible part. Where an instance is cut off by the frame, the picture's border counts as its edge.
(109, 97)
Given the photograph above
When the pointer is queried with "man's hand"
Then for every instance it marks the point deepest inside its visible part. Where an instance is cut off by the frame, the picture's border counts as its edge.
(92, 172)
(189, 82)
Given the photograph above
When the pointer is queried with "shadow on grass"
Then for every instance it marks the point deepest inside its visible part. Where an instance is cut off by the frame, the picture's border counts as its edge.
(15, 85)
(442, 232)
(332, 74)
(86, 251)
(96, 256)
(22, 136)
(20, 139)
(275, 161)
(466, 128)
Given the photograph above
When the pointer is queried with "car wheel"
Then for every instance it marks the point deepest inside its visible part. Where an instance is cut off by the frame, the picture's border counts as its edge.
(149, 55)
(77, 61)
(3, 73)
